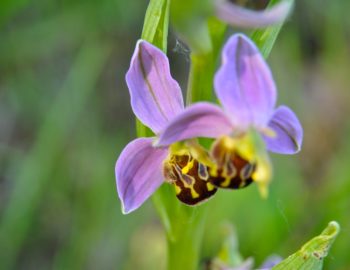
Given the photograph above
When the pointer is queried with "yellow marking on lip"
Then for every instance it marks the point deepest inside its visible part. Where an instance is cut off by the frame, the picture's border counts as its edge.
(226, 183)
(194, 194)
(210, 186)
(188, 167)
(242, 184)
(213, 171)
(177, 190)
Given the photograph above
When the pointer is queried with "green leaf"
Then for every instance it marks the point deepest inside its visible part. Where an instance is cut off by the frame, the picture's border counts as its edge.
(311, 255)
(9, 8)
(265, 38)
(156, 24)
(51, 138)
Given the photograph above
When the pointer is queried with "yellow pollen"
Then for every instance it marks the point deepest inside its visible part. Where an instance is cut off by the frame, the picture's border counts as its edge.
(226, 183)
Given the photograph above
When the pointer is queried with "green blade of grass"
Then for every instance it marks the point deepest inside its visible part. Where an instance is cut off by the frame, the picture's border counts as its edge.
(266, 38)
(156, 24)
(33, 175)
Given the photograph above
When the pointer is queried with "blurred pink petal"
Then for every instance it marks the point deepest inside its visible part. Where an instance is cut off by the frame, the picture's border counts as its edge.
(239, 16)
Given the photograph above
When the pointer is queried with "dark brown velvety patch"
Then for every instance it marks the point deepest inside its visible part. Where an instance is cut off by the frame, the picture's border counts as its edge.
(193, 187)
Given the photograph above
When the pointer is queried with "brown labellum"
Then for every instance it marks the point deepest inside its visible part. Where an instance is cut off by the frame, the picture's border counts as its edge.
(231, 170)
(236, 173)
(191, 179)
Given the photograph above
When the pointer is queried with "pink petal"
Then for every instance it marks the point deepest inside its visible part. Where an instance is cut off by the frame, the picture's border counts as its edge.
(199, 120)
(139, 172)
(155, 96)
(244, 84)
(289, 132)
(239, 16)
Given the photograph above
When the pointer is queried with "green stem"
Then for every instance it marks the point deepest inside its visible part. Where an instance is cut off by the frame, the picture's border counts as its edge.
(188, 227)
(203, 65)
(201, 77)
(184, 225)
(184, 246)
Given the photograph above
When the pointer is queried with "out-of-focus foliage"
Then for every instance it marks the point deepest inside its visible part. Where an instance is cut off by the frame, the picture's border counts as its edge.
(65, 116)
(311, 254)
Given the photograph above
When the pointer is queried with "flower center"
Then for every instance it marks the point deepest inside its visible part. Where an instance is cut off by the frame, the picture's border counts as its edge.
(191, 178)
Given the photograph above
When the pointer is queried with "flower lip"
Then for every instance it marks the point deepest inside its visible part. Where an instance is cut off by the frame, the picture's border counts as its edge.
(190, 178)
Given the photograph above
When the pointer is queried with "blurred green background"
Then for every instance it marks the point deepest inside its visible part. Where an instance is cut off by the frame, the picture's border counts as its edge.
(65, 116)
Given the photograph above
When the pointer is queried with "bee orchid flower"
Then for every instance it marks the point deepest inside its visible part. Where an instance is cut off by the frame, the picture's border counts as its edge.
(157, 101)
(247, 92)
